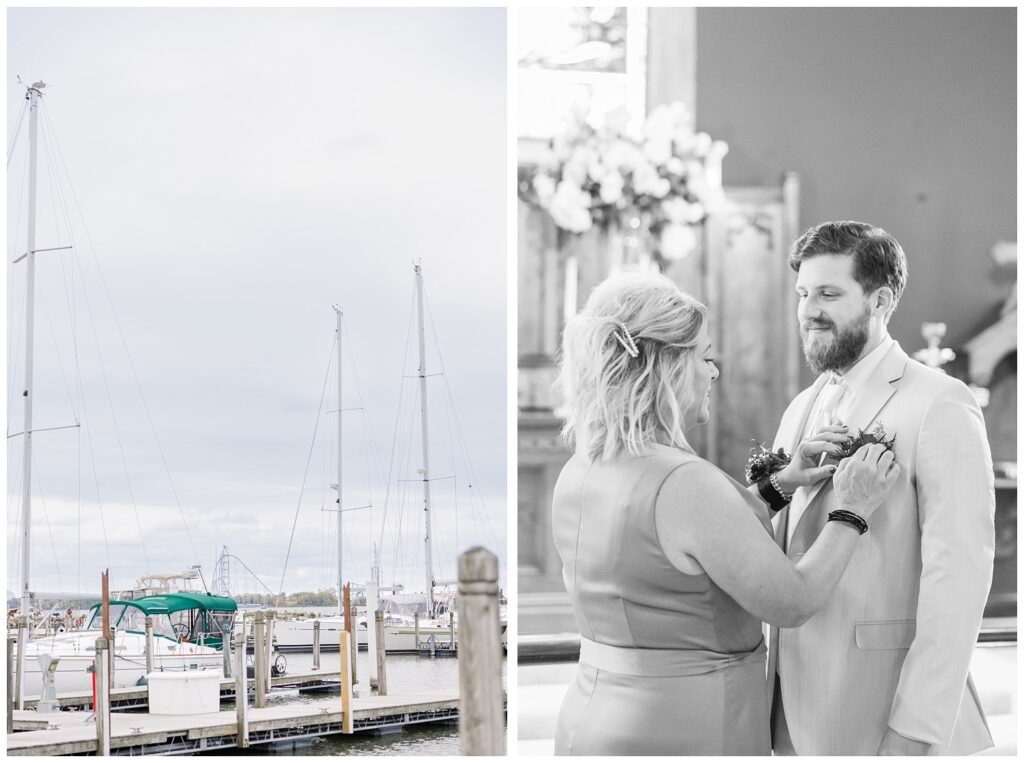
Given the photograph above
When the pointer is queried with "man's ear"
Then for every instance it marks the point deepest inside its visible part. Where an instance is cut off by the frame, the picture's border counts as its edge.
(882, 301)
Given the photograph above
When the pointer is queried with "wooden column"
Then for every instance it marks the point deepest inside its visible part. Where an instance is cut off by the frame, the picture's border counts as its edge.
(380, 654)
(241, 692)
(102, 667)
(345, 669)
(481, 704)
(260, 658)
(350, 628)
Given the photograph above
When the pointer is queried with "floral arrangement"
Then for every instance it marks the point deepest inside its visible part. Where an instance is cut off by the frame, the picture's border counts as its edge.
(763, 462)
(655, 177)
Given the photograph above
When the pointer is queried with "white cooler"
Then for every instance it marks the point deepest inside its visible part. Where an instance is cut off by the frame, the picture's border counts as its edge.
(189, 692)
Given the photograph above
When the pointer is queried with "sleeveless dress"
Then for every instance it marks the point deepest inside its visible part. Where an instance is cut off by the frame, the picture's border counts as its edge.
(669, 663)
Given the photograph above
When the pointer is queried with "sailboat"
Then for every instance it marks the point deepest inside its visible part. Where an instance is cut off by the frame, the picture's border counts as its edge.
(400, 609)
(412, 621)
(188, 630)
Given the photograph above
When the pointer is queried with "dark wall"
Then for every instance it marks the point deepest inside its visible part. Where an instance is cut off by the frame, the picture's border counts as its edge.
(904, 118)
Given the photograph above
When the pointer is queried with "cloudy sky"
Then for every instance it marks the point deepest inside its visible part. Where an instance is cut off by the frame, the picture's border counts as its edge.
(226, 176)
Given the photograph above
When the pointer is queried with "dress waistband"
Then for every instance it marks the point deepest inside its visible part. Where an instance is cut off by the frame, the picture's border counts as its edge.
(660, 663)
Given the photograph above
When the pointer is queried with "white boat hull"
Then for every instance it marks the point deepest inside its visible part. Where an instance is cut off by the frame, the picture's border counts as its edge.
(297, 636)
(76, 651)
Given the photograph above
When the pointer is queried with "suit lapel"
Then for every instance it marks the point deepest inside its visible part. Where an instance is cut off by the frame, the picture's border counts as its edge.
(869, 403)
(878, 390)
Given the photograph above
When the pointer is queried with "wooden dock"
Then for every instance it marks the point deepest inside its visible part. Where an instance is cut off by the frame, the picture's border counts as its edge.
(137, 697)
(69, 733)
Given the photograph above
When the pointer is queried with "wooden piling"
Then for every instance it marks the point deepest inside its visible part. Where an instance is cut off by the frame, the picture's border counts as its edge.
(226, 642)
(149, 645)
(416, 629)
(241, 692)
(370, 590)
(10, 683)
(451, 625)
(345, 671)
(19, 689)
(481, 705)
(108, 632)
(316, 644)
(379, 658)
(350, 627)
(102, 709)
(259, 655)
(270, 650)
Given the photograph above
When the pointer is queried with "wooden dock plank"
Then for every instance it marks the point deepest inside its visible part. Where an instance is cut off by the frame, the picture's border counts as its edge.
(68, 733)
(129, 694)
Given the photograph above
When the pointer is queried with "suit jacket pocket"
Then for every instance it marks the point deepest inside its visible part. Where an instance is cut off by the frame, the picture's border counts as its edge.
(885, 634)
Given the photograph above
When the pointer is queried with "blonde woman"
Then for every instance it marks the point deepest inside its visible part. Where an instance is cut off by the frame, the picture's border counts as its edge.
(671, 564)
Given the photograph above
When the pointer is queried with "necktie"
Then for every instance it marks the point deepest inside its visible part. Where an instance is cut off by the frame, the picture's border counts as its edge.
(831, 396)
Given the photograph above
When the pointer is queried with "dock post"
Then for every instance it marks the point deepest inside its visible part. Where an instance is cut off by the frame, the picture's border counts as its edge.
(451, 618)
(345, 669)
(241, 693)
(10, 684)
(112, 653)
(416, 629)
(259, 656)
(149, 645)
(270, 650)
(19, 687)
(481, 705)
(102, 697)
(225, 645)
(316, 644)
(371, 633)
(379, 657)
(350, 627)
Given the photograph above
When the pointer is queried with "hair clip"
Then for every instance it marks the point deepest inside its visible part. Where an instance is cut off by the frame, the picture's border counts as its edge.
(626, 341)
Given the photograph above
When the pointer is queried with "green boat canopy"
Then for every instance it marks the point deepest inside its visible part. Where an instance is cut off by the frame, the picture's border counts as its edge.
(169, 603)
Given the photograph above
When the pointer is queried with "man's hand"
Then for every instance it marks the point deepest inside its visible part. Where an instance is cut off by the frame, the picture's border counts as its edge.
(894, 743)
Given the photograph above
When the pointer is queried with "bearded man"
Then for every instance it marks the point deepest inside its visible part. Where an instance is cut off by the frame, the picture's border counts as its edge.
(882, 668)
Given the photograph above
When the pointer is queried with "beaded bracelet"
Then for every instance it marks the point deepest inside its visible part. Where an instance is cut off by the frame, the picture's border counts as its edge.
(772, 494)
(850, 518)
(775, 484)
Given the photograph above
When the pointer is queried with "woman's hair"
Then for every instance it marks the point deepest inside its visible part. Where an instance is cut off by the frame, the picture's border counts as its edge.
(627, 365)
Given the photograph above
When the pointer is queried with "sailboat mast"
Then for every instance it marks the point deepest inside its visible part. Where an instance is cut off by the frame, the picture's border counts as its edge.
(341, 605)
(423, 431)
(34, 94)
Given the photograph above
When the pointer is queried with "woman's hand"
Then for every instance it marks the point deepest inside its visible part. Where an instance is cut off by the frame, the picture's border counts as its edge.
(803, 469)
(864, 479)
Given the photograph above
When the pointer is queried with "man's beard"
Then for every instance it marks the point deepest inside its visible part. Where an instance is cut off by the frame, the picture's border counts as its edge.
(844, 348)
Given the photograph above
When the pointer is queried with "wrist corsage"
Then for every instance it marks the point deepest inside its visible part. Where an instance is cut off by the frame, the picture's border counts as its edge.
(761, 468)
(763, 462)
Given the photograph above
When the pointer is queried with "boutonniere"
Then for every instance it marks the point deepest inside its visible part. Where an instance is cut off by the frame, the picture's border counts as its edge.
(763, 462)
(878, 436)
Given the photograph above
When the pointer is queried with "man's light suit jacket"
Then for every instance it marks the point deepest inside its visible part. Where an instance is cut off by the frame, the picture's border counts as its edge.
(892, 644)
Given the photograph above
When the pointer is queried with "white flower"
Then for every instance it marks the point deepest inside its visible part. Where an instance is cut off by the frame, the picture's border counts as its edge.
(675, 166)
(544, 185)
(701, 144)
(664, 120)
(646, 180)
(658, 150)
(679, 210)
(569, 208)
(677, 241)
(611, 187)
(575, 169)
